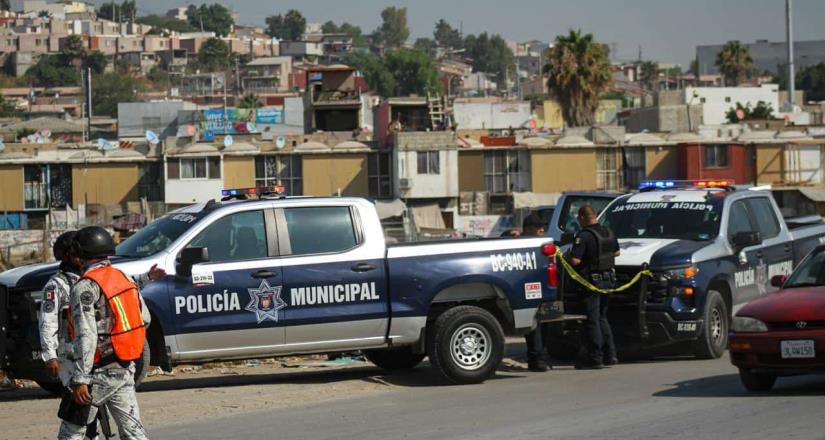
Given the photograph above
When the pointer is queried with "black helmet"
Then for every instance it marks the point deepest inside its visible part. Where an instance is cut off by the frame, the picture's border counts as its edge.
(93, 242)
(63, 244)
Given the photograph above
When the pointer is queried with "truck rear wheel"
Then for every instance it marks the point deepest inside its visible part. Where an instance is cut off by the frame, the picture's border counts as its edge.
(392, 359)
(713, 341)
(465, 344)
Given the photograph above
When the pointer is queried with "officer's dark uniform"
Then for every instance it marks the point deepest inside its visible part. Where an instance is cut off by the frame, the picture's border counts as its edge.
(596, 247)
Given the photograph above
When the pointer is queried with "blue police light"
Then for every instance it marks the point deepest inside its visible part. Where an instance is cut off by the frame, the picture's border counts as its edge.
(659, 184)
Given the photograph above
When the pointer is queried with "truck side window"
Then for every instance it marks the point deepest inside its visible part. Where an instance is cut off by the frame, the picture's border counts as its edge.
(739, 220)
(236, 237)
(568, 219)
(320, 230)
(765, 217)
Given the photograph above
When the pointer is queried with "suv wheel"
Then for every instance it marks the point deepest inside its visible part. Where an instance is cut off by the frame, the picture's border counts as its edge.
(465, 344)
(713, 340)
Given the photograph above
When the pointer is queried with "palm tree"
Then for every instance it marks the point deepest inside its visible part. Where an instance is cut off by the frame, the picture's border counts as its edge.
(250, 101)
(578, 72)
(648, 74)
(734, 62)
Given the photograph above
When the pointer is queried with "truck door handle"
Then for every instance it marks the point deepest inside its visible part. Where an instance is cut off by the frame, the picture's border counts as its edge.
(788, 248)
(363, 267)
(263, 274)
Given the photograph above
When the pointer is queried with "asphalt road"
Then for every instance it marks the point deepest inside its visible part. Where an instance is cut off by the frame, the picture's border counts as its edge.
(662, 399)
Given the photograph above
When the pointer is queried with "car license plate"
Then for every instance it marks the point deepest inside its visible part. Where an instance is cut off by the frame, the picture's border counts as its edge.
(798, 349)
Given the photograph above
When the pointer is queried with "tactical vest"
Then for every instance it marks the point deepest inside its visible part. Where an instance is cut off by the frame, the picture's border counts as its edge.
(606, 256)
(128, 330)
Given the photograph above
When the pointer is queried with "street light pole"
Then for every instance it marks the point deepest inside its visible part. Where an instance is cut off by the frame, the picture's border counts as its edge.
(791, 78)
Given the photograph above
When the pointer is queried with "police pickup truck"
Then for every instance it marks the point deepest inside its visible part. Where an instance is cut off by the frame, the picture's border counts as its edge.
(277, 276)
(710, 247)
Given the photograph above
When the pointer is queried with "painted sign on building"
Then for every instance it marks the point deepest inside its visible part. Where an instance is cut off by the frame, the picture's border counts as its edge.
(236, 121)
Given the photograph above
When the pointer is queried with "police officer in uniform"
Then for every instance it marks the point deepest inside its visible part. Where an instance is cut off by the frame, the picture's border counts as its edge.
(109, 323)
(533, 226)
(593, 254)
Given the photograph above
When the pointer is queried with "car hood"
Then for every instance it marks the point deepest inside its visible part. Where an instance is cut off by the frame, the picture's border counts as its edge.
(799, 304)
(36, 276)
(657, 252)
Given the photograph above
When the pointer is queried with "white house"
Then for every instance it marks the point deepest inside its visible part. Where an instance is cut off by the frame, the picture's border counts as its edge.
(716, 101)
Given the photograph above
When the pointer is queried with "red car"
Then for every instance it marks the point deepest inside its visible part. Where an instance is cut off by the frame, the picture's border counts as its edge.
(783, 334)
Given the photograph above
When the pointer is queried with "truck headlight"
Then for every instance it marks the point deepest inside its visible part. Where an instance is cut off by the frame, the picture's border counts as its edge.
(747, 324)
(682, 273)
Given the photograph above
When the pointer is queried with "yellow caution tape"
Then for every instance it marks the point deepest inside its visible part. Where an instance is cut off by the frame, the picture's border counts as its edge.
(589, 286)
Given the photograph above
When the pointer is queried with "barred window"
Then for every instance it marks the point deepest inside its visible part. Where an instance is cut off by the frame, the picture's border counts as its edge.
(286, 170)
(507, 171)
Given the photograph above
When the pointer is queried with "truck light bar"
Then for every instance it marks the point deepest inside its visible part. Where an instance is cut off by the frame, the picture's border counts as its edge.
(260, 191)
(673, 184)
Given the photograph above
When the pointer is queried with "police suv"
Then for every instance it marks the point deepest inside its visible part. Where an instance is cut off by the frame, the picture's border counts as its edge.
(710, 246)
(276, 276)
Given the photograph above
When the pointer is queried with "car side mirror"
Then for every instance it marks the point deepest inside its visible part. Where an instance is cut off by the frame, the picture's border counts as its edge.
(566, 238)
(189, 257)
(778, 280)
(742, 240)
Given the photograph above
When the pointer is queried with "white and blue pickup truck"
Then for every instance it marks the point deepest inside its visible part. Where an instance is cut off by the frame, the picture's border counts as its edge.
(710, 245)
(277, 276)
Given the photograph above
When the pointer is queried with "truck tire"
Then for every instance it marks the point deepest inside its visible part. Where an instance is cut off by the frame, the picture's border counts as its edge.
(393, 359)
(756, 381)
(713, 340)
(142, 365)
(465, 344)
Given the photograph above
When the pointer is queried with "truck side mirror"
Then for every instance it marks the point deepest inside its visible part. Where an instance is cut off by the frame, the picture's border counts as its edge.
(189, 257)
(742, 240)
(566, 238)
(778, 280)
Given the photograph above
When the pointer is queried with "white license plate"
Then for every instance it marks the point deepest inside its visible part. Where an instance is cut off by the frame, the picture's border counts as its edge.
(798, 349)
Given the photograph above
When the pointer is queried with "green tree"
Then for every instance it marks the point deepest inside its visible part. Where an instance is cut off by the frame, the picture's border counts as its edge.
(160, 23)
(761, 111)
(250, 100)
(214, 54)
(7, 108)
(578, 72)
(399, 73)
(648, 74)
(43, 14)
(734, 62)
(426, 45)
(96, 61)
(393, 31)
(73, 50)
(51, 71)
(211, 18)
(812, 80)
(446, 36)
(110, 89)
(289, 26)
(120, 12)
(351, 30)
(491, 55)
(378, 76)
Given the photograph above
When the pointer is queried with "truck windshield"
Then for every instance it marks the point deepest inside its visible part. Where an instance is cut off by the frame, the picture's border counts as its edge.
(809, 273)
(158, 235)
(664, 219)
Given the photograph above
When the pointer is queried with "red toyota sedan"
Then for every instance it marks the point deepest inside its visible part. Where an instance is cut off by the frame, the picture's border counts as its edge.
(783, 334)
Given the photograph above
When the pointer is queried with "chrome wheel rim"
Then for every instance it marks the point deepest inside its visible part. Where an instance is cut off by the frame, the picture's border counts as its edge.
(470, 347)
(716, 326)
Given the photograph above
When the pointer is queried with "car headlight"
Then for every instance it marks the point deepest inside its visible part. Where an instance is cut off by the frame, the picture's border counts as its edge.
(748, 325)
(682, 273)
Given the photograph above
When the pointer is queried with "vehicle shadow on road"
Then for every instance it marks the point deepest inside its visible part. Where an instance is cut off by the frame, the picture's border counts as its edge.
(728, 385)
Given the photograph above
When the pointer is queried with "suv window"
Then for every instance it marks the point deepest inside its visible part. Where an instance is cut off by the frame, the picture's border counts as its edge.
(236, 237)
(568, 219)
(320, 230)
(765, 217)
(739, 220)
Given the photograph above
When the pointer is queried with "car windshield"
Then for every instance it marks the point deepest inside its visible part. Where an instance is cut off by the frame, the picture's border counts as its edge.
(664, 219)
(158, 235)
(810, 272)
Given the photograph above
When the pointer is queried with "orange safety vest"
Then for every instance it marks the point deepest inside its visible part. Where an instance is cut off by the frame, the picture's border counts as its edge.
(128, 330)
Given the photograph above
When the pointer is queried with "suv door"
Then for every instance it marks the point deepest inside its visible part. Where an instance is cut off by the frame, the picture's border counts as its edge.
(749, 262)
(777, 249)
(334, 279)
(232, 304)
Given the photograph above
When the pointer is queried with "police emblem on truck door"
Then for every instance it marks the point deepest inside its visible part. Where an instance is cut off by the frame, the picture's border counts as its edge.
(265, 301)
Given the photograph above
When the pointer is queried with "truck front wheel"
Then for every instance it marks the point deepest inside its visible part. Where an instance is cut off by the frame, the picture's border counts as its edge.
(396, 358)
(465, 344)
(713, 341)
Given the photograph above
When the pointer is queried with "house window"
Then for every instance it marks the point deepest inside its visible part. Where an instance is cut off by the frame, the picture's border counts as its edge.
(194, 168)
(150, 182)
(607, 169)
(507, 171)
(286, 170)
(428, 162)
(379, 174)
(47, 186)
(716, 156)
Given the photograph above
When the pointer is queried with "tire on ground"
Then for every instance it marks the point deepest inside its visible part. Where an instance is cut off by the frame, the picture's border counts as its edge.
(142, 365)
(756, 381)
(465, 344)
(713, 340)
(392, 359)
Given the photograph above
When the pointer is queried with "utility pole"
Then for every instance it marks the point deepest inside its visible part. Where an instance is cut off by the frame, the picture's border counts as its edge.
(87, 85)
(791, 78)
(237, 76)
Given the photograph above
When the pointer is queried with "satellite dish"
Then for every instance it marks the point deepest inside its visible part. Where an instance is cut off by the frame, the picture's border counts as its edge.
(228, 141)
(250, 128)
(46, 133)
(2, 146)
(40, 140)
(152, 137)
(103, 144)
(280, 142)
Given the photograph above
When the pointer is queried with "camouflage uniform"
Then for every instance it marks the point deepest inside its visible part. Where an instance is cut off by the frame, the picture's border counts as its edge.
(55, 341)
(112, 384)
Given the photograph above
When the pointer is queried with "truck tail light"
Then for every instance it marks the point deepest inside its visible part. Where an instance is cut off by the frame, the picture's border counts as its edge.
(552, 270)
